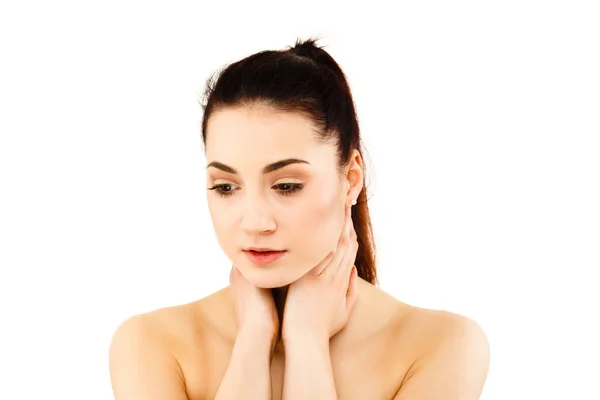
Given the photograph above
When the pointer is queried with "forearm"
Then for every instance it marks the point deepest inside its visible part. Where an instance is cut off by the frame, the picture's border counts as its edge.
(308, 373)
(248, 374)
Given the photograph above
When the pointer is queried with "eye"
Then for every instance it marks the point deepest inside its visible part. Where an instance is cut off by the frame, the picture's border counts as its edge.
(220, 189)
(285, 189)
(291, 188)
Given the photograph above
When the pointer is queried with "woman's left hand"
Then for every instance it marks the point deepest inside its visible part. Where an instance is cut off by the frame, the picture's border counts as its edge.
(318, 304)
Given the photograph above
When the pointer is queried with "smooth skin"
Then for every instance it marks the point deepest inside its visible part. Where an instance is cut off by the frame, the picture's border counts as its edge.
(318, 306)
(339, 337)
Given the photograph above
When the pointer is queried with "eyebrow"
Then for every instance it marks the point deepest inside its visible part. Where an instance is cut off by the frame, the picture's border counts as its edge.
(266, 170)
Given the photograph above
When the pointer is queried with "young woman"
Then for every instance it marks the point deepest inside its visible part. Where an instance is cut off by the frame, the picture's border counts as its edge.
(302, 318)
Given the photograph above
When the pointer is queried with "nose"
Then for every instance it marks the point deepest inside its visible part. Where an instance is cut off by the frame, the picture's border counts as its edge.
(257, 217)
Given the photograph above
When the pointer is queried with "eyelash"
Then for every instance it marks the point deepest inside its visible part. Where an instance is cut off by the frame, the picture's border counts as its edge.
(295, 188)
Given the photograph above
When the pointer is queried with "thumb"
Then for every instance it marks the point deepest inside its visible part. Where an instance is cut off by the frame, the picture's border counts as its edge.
(234, 274)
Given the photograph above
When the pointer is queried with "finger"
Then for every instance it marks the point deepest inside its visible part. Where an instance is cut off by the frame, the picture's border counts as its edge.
(331, 268)
(352, 293)
(349, 225)
(341, 266)
(352, 247)
(345, 226)
(352, 231)
(347, 263)
(237, 276)
(320, 267)
(352, 280)
(232, 274)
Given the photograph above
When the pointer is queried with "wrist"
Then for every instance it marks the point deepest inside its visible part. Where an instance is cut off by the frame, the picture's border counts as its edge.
(306, 339)
(256, 343)
(257, 332)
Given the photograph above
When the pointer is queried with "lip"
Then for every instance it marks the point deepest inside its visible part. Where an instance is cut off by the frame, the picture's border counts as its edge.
(264, 258)
(260, 249)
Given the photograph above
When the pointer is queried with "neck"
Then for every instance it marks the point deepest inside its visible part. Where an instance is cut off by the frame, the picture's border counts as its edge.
(279, 296)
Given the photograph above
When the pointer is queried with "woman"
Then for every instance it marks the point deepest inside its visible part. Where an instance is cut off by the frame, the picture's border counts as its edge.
(302, 318)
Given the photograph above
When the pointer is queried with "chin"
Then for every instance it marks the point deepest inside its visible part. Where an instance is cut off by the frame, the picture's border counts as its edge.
(269, 277)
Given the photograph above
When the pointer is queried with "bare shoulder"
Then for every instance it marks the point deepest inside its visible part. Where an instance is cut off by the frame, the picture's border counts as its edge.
(147, 351)
(451, 357)
(141, 363)
(429, 328)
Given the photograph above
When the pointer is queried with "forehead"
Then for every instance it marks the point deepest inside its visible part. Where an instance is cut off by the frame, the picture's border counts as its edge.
(237, 134)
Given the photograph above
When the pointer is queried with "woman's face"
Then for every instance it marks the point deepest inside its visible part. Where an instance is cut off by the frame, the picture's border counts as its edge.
(297, 207)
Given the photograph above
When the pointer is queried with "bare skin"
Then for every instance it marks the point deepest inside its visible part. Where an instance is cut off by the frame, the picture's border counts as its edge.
(387, 350)
(223, 348)
(370, 357)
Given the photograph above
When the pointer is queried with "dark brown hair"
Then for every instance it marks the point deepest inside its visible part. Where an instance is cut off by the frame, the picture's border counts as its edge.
(304, 79)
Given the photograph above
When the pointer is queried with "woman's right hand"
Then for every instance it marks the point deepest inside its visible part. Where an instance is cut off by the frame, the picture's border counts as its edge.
(248, 375)
(256, 315)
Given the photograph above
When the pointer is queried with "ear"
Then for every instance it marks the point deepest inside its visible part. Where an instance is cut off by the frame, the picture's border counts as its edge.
(354, 177)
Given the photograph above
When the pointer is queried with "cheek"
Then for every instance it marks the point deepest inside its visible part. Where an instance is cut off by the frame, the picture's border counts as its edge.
(222, 226)
(319, 206)
(321, 224)
(325, 200)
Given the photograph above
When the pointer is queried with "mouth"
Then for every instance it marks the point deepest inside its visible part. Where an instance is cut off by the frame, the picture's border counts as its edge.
(261, 249)
(264, 257)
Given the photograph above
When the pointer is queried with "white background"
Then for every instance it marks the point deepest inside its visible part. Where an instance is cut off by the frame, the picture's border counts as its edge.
(481, 121)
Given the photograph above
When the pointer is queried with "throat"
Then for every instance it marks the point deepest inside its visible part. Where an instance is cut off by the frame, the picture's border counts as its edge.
(279, 296)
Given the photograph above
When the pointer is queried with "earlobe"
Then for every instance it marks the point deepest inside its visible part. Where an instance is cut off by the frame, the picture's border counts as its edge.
(352, 187)
(354, 179)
